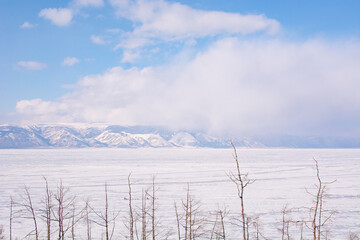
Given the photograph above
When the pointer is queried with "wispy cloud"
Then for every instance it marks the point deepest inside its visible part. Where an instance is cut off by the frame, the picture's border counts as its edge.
(98, 40)
(235, 86)
(114, 30)
(31, 65)
(58, 16)
(27, 25)
(69, 61)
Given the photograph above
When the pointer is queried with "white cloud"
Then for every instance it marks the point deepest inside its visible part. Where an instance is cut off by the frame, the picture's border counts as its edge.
(58, 16)
(69, 61)
(130, 56)
(31, 65)
(158, 19)
(27, 25)
(234, 86)
(89, 3)
(98, 40)
(131, 43)
(63, 16)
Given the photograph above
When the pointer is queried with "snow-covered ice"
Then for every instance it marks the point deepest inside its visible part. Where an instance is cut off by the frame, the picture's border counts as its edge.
(281, 178)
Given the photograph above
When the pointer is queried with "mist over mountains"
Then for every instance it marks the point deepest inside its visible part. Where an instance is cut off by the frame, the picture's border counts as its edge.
(115, 136)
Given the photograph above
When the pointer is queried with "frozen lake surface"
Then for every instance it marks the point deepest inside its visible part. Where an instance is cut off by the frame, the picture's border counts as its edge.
(281, 178)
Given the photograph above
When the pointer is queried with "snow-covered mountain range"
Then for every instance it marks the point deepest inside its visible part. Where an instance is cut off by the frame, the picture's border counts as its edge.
(82, 136)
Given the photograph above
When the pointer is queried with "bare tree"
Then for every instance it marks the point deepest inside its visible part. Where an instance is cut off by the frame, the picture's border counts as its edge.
(73, 221)
(258, 233)
(131, 214)
(241, 181)
(156, 229)
(106, 217)
(301, 224)
(87, 219)
(59, 212)
(46, 211)
(153, 209)
(285, 222)
(319, 216)
(63, 212)
(177, 221)
(186, 207)
(15, 211)
(353, 236)
(11, 217)
(105, 220)
(29, 208)
(247, 224)
(215, 227)
(193, 221)
(218, 230)
(144, 212)
(222, 216)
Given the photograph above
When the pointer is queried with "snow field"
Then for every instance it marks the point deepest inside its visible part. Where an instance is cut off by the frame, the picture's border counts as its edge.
(281, 178)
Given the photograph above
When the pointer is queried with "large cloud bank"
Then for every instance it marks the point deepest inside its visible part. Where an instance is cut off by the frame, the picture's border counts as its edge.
(233, 87)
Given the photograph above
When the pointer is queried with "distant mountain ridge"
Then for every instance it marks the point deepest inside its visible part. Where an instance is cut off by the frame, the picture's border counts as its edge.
(82, 136)
(115, 136)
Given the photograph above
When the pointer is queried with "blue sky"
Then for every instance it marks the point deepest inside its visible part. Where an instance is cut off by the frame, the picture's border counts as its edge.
(144, 62)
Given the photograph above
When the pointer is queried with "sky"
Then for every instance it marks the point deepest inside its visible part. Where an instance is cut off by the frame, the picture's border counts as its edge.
(222, 67)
